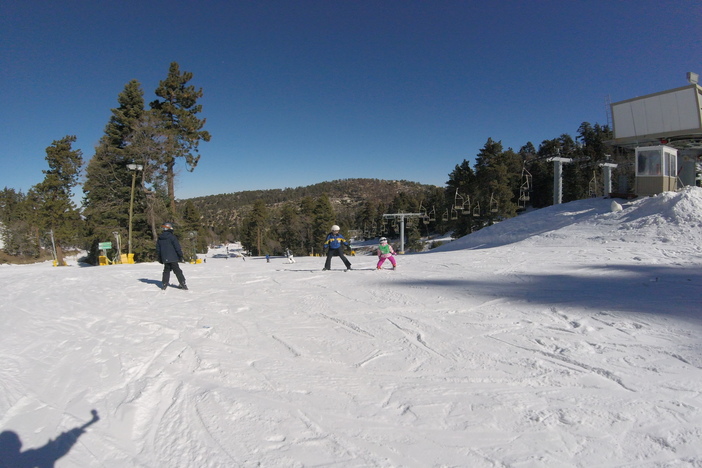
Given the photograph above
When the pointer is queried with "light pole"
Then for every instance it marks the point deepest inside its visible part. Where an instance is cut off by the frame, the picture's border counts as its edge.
(134, 168)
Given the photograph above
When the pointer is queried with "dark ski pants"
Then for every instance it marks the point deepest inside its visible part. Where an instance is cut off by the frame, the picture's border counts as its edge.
(167, 267)
(336, 253)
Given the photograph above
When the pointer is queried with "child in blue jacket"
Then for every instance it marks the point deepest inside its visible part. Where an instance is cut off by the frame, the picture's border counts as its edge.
(334, 246)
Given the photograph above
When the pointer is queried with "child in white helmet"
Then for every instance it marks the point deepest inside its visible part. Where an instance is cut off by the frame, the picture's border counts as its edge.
(334, 246)
(385, 252)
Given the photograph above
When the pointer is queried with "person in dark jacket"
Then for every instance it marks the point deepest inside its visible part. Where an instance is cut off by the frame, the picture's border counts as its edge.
(334, 246)
(169, 254)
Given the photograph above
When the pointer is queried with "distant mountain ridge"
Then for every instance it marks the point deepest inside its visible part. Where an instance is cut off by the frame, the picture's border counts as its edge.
(353, 192)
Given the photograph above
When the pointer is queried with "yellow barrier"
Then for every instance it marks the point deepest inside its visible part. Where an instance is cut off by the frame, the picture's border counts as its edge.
(102, 260)
(127, 258)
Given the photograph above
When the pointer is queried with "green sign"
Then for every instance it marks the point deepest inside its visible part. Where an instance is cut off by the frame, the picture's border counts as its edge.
(105, 245)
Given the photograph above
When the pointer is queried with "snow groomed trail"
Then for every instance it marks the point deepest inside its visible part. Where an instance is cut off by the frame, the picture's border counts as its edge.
(578, 346)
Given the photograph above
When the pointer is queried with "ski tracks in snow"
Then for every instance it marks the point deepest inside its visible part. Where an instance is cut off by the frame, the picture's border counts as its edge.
(395, 368)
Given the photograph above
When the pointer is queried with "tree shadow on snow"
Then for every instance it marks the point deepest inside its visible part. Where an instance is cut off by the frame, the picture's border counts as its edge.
(12, 456)
(661, 290)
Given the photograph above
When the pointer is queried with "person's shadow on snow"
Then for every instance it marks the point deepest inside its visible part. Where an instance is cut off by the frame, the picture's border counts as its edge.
(151, 281)
(11, 455)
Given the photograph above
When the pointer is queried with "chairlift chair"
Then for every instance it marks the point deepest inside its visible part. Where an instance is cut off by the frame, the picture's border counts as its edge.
(523, 198)
(445, 216)
(432, 214)
(476, 210)
(592, 186)
(424, 215)
(525, 188)
(493, 203)
(526, 180)
(466, 206)
(458, 201)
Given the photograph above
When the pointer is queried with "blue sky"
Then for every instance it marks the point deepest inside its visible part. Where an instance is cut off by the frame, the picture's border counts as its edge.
(300, 92)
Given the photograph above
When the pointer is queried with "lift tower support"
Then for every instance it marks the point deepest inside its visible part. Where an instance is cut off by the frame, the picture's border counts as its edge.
(401, 217)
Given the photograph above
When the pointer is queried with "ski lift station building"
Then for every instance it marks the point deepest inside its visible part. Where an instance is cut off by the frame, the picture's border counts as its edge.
(665, 130)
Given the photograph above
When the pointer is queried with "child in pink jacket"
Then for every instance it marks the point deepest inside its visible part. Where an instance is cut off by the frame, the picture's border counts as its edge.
(385, 251)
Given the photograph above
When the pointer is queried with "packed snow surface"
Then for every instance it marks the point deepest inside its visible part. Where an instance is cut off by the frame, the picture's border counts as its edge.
(566, 337)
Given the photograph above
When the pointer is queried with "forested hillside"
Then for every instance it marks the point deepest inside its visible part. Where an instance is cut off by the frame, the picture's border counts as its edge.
(356, 204)
(224, 207)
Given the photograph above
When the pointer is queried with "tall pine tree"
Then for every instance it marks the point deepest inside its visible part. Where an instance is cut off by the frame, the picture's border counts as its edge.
(255, 230)
(57, 214)
(108, 182)
(178, 108)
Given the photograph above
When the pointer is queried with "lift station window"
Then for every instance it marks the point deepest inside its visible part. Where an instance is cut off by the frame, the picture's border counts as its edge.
(656, 161)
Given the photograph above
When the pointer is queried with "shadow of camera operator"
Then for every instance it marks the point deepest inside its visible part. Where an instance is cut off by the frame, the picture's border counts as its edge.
(11, 455)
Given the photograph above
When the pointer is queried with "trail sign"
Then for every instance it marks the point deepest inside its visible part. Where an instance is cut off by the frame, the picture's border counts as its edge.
(105, 245)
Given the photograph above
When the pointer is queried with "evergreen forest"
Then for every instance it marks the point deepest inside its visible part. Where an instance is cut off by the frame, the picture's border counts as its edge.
(128, 188)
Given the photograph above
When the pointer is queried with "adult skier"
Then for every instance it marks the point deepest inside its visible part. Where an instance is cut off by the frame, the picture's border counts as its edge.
(169, 254)
(334, 246)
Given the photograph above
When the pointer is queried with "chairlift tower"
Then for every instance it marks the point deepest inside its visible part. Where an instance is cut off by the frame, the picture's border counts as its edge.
(607, 171)
(401, 218)
(558, 178)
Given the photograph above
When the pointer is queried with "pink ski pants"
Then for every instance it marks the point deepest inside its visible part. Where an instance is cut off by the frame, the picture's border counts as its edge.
(382, 259)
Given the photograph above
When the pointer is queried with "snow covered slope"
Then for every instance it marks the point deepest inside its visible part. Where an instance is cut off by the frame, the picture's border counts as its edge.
(568, 337)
